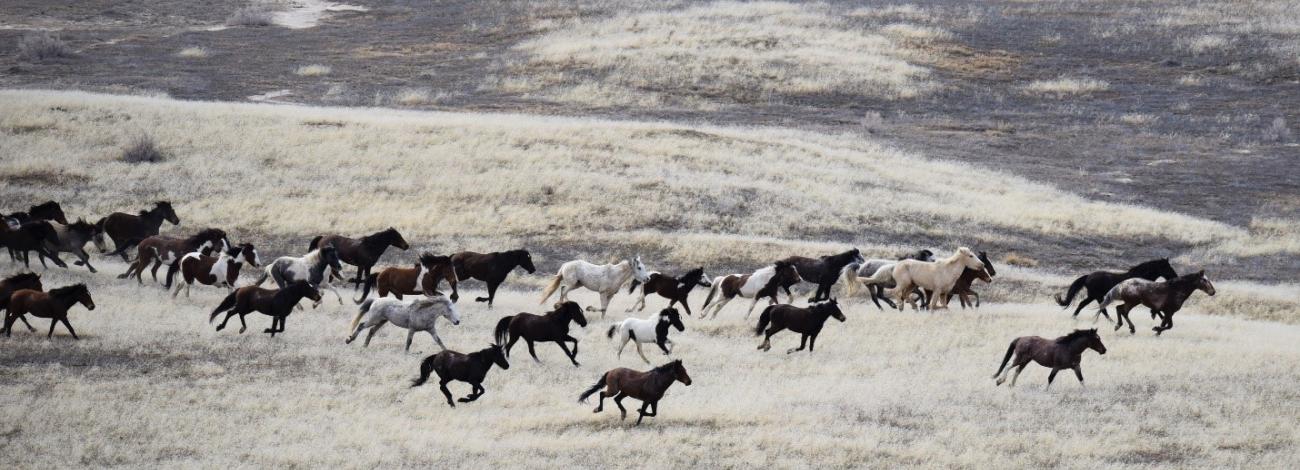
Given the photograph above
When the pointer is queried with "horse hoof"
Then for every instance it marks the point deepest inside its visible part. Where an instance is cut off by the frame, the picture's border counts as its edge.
(464, 400)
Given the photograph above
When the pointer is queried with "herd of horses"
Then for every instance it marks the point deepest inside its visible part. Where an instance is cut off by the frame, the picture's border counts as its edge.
(209, 258)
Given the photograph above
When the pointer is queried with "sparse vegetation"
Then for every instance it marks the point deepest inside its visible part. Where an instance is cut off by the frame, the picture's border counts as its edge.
(142, 149)
(1066, 86)
(313, 70)
(193, 52)
(41, 45)
(252, 15)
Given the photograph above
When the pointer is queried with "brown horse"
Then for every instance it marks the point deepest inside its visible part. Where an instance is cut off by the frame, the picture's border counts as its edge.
(16, 283)
(428, 272)
(962, 289)
(222, 270)
(671, 288)
(48, 210)
(53, 305)
(31, 236)
(553, 326)
(805, 321)
(162, 249)
(1061, 353)
(764, 282)
(127, 230)
(491, 268)
(1099, 283)
(471, 368)
(1163, 298)
(364, 252)
(823, 271)
(649, 387)
(277, 303)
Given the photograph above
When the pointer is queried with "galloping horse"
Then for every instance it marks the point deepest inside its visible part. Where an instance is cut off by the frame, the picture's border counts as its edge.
(126, 230)
(16, 283)
(162, 249)
(491, 268)
(419, 314)
(823, 271)
(962, 288)
(362, 253)
(1163, 298)
(277, 303)
(877, 275)
(553, 326)
(72, 239)
(222, 270)
(764, 282)
(48, 210)
(310, 268)
(649, 387)
(1062, 353)
(671, 288)
(805, 321)
(938, 276)
(31, 236)
(53, 305)
(605, 279)
(1099, 283)
(422, 278)
(470, 368)
(650, 330)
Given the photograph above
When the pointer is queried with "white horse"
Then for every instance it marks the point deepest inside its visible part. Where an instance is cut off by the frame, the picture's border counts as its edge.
(415, 314)
(605, 279)
(764, 282)
(938, 276)
(649, 330)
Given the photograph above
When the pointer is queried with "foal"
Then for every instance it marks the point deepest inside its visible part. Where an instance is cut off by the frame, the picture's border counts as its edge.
(650, 330)
(423, 278)
(277, 303)
(554, 326)
(671, 288)
(1163, 298)
(16, 283)
(470, 368)
(53, 305)
(491, 268)
(364, 252)
(805, 321)
(649, 387)
(823, 271)
(126, 230)
(1061, 353)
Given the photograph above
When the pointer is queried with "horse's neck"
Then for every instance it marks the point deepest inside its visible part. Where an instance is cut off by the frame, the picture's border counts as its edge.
(1077, 347)
(152, 218)
(661, 329)
(63, 302)
(285, 299)
(625, 271)
(660, 380)
(374, 243)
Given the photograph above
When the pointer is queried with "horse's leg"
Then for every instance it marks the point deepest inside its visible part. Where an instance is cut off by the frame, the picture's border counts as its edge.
(29, 325)
(374, 328)
(492, 293)
(85, 259)
(618, 400)
(1119, 317)
(622, 345)
(767, 340)
(69, 327)
(53, 321)
(600, 405)
(572, 355)
(604, 303)
(1050, 378)
(1131, 329)
(789, 295)
(436, 339)
(717, 307)
(812, 342)
(511, 344)
(533, 352)
(243, 325)
(410, 335)
(442, 385)
(663, 346)
(1167, 324)
(977, 299)
(640, 353)
(643, 412)
(1078, 372)
(751, 307)
(157, 263)
(803, 343)
(640, 301)
(1086, 301)
(871, 290)
(564, 293)
(1019, 369)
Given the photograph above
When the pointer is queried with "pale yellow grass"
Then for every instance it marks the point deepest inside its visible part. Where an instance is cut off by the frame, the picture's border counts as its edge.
(313, 70)
(150, 384)
(1066, 86)
(193, 53)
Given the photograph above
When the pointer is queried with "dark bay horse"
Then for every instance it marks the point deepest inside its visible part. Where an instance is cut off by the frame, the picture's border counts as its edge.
(823, 271)
(1099, 283)
(423, 278)
(53, 305)
(162, 249)
(671, 288)
(16, 283)
(1060, 353)
(1163, 298)
(491, 268)
(126, 230)
(277, 303)
(470, 368)
(31, 236)
(553, 326)
(364, 252)
(649, 387)
(805, 321)
(48, 210)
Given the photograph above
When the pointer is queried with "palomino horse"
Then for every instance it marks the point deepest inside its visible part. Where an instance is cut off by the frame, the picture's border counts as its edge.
(418, 314)
(650, 330)
(31, 236)
(671, 288)
(53, 305)
(877, 275)
(962, 288)
(364, 252)
(48, 210)
(276, 303)
(491, 268)
(72, 239)
(938, 276)
(1099, 283)
(126, 230)
(162, 249)
(1061, 353)
(649, 387)
(823, 271)
(423, 278)
(470, 368)
(757, 285)
(16, 283)
(605, 279)
(222, 270)
(553, 326)
(1163, 298)
(310, 268)
(805, 321)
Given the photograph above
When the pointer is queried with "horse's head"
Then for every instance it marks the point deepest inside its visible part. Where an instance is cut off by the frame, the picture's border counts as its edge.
(673, 317)
(694, 277)
(450, 311)
(832, 309)
(1203, 283)
(988, 265)
(638, 269)
(304, 289)
(165, 209)
(1094, 342)
(331, 257)
(679, 372)
(498, 356)
(25, 281)
(968, 258)
(76, 292)
(49, 210)
(572, 312)
(395, 239)
(787, 273)
(704, 279)
(524, 259)
(249, 254)
(857, 256)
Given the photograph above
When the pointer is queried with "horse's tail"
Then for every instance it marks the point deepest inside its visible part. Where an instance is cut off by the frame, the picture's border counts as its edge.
(599, 384)
(314, 242)
(426, 367)
(713, 290)
(763, 319)
(502, 330)
(226, 304)
(98, 235)
(365, 290)
(850, 277)
(1069, 294)
(550, 289)
(612, 329)
(365, 307)
(1010, 349)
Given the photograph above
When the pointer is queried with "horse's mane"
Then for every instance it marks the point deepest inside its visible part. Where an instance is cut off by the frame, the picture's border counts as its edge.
(209, 233)
(44, 205)
(1187, 278)
(1075, 335)
(81, 225)
(379, 237)
(20, 277)
(68, 290)
(667, 367)
(692, 275)
(1150, 264)
(157, 206)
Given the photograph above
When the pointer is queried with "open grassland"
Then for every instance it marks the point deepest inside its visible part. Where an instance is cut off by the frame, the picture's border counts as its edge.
(151, 384)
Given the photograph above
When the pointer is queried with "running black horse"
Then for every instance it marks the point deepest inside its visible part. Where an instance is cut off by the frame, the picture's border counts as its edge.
(1099, 283)
(470, 368)
(491, 268)
(805, 321)
(553, 326)
(48, 210)
(35, 235)
(672, 288)
(823, 271)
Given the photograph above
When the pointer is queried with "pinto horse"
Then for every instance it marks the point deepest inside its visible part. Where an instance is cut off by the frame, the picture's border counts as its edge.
(553, 326)
(605, 279)
(126, 230)
(53, 305)
(671, 288)
(1099, 283)
(805, 321)
(938, 276)
(16, 283)
(823, 271)
(423, 278)
(31, 236)
(1163, 298)
(649, 387)
(764, 282)
(277, 303)
(1061, 353)
(222, 270)
(310, 268)
(162, 249)
(364, 252)
(650, 330)
(470, 368)
(491, 268)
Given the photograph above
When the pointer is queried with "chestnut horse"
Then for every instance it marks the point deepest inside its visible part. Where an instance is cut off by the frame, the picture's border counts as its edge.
(491, 268)
(127, 230)
(1163, 298)
(53, 305)
(1061, 353)
(649, 387)
(470, 368)
(553, 326)
(423, 278)
(364, 252)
